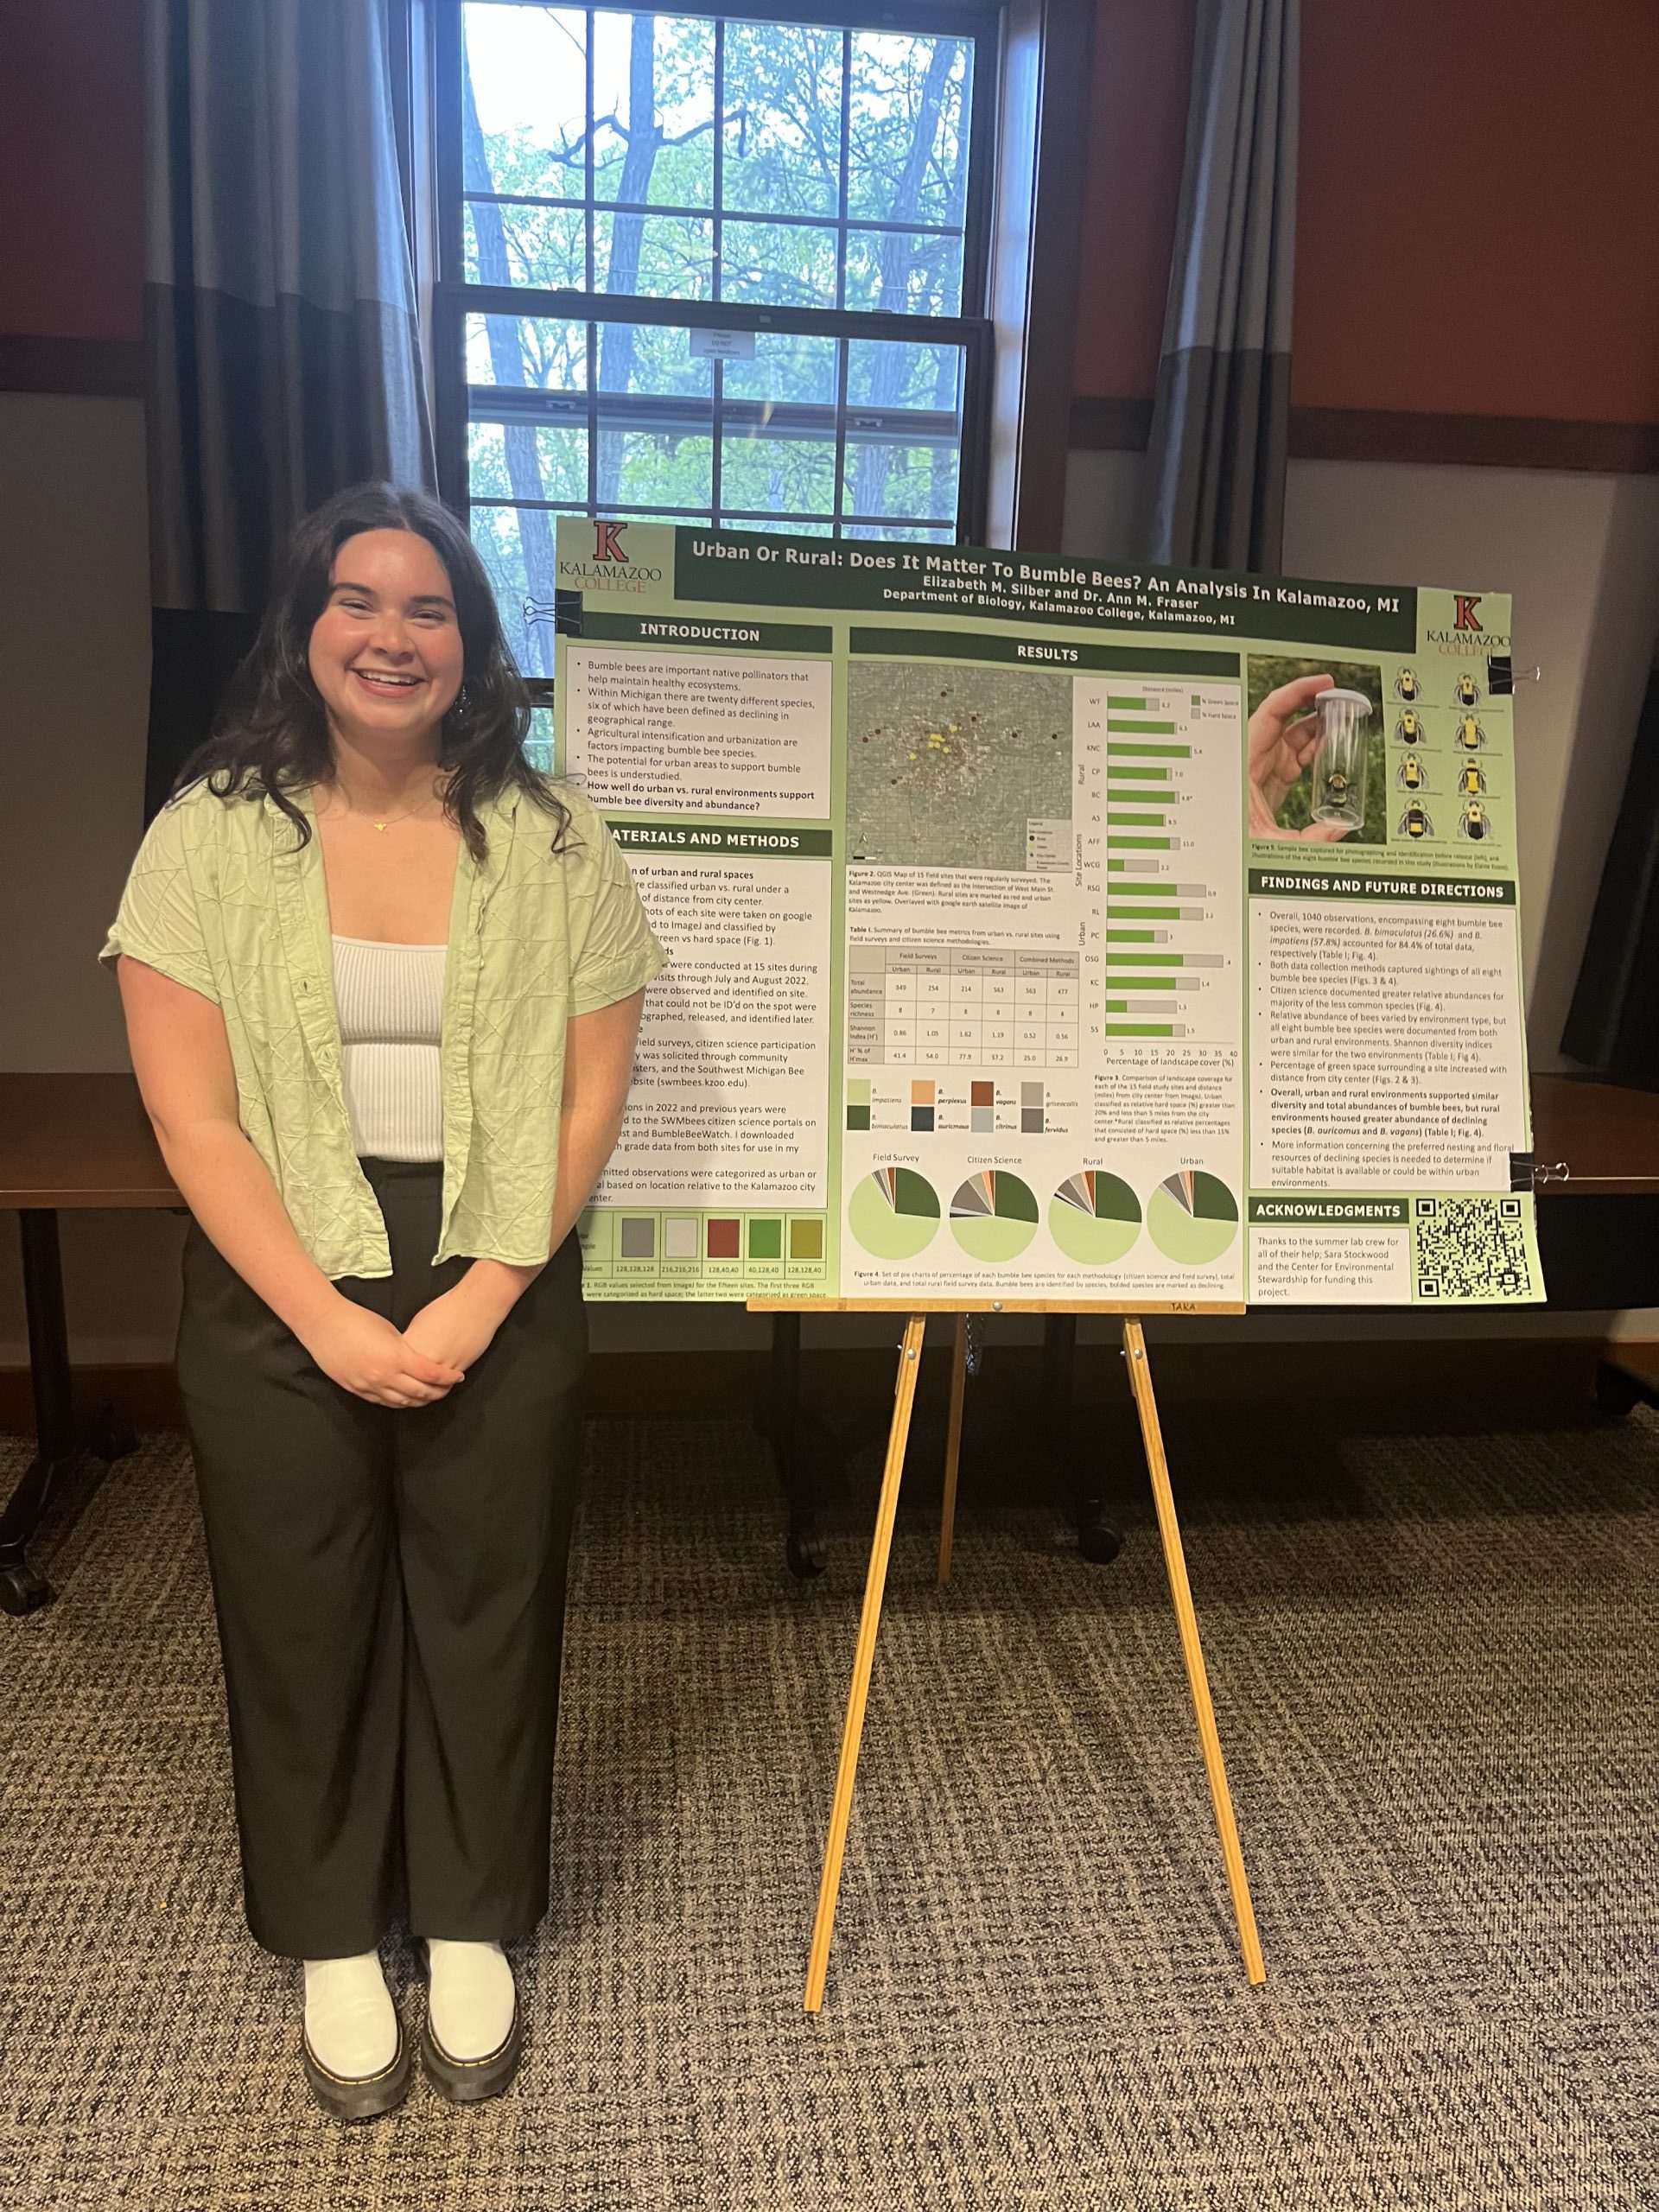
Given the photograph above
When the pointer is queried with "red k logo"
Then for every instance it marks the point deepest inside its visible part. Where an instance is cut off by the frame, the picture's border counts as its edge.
(1467, 602)
(608, 546)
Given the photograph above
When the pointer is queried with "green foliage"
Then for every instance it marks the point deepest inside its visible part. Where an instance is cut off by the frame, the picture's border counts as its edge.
(650, 140)
(1265, 673)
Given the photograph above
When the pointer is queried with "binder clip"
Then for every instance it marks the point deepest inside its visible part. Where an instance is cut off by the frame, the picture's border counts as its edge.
(1502, 676)
(564, 614)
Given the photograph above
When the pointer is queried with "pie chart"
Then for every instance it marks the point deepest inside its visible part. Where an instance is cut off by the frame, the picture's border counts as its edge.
(893, 1213)
(1193, 1217)
(1093, 1217)
(994, 1216)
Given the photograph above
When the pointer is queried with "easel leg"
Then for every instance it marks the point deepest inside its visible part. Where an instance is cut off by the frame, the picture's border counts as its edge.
(1134, 1354)
(953, 1444)
(910, 1361)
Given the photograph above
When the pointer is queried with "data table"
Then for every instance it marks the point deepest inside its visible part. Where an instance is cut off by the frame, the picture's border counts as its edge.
(961, 1006)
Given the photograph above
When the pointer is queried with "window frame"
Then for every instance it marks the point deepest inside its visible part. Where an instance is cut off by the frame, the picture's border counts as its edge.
(454, 298)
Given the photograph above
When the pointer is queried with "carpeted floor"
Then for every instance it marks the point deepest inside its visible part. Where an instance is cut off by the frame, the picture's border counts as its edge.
(1433, 1659)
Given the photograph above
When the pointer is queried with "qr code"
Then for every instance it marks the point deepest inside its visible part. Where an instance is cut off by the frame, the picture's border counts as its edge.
(1470, 1248)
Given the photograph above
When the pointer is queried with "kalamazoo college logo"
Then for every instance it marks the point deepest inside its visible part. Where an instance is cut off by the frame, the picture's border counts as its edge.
(1466, 603)
(610, 567)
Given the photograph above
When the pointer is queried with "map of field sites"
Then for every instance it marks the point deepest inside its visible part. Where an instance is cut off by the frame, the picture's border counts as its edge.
(950, 765)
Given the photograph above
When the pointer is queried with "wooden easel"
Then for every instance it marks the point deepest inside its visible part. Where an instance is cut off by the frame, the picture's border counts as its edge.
(1145, 1406)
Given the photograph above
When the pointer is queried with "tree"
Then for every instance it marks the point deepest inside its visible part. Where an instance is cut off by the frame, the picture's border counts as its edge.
(507, 360)
(792, 101)
(898, 259)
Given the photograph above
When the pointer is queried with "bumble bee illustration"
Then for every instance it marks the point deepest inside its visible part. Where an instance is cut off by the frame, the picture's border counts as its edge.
(1414, 821)
(1471, 779)
(1406, 685)
(1473, 824)
(1409, 727)
(1467, 690)
(1470, 735)
(1413, 777)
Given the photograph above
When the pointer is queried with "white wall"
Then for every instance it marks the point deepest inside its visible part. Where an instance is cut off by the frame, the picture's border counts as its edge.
(1580, 555)
(74, 647)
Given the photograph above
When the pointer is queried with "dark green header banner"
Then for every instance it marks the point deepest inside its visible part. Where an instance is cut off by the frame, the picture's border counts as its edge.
(1325, 883)
(755, 568)
(968, 645)
(687, 630)
(1321, 1213)
(705, 837)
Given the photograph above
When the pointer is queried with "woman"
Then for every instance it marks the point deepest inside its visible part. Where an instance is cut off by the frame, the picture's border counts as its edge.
(382, 986)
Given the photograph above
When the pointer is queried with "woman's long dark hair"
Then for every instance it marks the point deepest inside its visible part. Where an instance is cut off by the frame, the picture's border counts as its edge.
(272, 736)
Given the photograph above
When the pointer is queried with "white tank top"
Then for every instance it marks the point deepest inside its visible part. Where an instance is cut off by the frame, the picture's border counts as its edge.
(390, 1002)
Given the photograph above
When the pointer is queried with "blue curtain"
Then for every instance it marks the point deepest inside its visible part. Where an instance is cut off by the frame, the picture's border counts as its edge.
(282, 339)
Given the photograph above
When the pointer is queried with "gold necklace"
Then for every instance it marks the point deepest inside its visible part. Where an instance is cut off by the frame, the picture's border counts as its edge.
(362, 814)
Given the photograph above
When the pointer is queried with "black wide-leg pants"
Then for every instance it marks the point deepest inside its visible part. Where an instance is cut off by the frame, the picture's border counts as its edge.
(389, 1586)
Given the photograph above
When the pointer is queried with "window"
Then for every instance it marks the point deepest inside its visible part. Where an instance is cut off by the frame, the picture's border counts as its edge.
(726, 268)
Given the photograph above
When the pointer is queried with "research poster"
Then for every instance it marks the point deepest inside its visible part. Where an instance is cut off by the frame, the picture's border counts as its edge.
(1040, 931)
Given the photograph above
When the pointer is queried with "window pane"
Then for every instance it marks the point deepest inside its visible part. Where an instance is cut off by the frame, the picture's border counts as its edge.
(880, 374)
(539, 746)
(544, 247)
(541, 352)
(782, 126)
(908, 128)
(797, 525)
(778, 469)
(516, 545)
(916, 482)
(664, 66)
(778, 265)
(903, 431)
(904, 272)
(656, 411)
(527, 460)
(786, 369)
(527, 440)
(649, 141)
(778, 417)
(524, 100)
(654, 256)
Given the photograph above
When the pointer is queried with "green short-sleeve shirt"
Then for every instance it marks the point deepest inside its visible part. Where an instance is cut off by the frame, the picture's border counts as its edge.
(223, 898)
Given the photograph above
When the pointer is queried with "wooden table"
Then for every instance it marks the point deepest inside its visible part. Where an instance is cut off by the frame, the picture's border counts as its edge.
(65, 1140)
(1601, 1251)
(1607, 1138)
(79, 1141)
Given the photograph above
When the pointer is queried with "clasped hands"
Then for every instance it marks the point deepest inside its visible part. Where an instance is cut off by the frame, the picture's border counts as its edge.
(370, 1356)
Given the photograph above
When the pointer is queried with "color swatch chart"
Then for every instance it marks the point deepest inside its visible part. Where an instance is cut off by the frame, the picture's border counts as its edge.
(930, 1106)
(729, 1255)
(1170, 822)
(961, 1006)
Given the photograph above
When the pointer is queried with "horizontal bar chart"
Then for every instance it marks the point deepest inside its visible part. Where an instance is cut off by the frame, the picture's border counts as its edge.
(1170, 795)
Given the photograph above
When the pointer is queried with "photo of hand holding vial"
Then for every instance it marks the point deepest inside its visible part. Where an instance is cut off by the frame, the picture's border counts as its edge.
(1316, 752)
